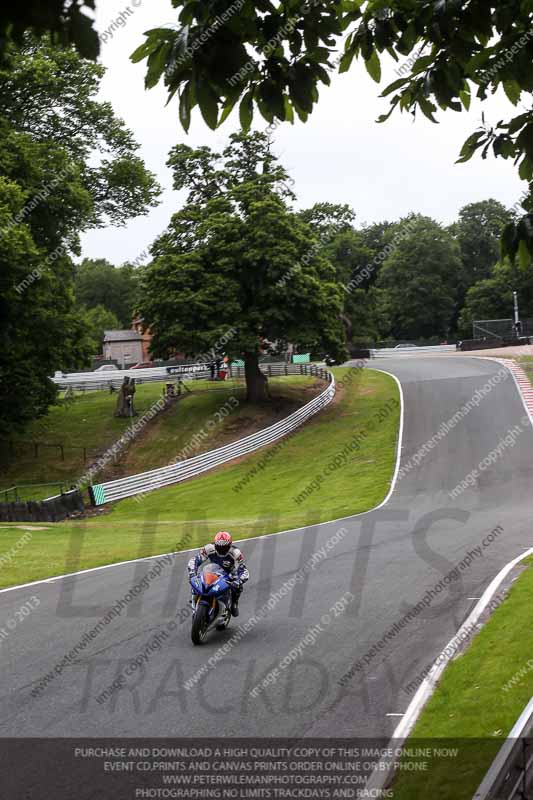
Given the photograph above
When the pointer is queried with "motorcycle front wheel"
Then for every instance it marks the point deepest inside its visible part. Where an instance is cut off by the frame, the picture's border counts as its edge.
(200, 622)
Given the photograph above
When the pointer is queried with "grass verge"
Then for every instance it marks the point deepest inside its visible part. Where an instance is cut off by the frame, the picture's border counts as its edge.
(362, 423)
(480, 697)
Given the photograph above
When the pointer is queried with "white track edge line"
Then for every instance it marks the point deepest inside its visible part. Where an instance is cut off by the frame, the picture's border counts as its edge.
(380, 778)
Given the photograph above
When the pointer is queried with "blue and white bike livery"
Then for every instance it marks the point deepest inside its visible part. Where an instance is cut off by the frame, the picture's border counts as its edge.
(211, 600)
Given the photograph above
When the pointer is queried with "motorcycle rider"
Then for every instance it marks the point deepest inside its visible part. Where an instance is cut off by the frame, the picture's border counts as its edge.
(223, 552)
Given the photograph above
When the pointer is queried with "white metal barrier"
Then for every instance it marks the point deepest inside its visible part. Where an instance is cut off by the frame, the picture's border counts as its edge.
(391, 352)
(511, 774)
(180, 471)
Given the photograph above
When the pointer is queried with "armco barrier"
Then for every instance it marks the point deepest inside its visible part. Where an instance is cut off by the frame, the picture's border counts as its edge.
(392, 352)
(180, 471)
(511, 775)
(53, 509)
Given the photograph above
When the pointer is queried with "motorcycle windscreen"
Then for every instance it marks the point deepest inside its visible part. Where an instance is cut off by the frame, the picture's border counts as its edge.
(211, 573)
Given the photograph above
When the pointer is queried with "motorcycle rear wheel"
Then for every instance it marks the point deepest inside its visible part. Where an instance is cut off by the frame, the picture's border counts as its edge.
(199, 624)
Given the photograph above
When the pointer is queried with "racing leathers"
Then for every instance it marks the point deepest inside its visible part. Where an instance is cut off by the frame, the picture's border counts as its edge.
(232, 563)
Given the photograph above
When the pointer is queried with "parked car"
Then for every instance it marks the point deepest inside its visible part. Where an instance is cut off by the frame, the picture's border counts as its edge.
(106, 368)
(143, 365)
(398, 346)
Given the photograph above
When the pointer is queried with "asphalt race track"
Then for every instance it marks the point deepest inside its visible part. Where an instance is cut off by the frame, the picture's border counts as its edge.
(387, 559)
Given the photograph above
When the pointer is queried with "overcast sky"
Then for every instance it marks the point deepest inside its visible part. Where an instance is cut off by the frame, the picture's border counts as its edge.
(341, 155)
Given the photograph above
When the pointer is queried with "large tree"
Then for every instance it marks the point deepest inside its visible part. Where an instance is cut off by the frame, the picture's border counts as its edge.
(67, 164)
(417, 283)
(237, 269)
(345, 248)
(40, 329)
(51, 94)
(478, 232)
(275, 56)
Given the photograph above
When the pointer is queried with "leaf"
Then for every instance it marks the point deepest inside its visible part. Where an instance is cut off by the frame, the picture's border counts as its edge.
(422, 63)
(185, 109)
(465, 98)
(322, 74)
(271, 94)
(228, 107)
(385, 117)
(156, 64)
(518, 122)
(525, 170)
(470, 146)
(143, 50)
(513, 91)
(289, 111)
(246, 110)
(373, 67)
(394, 85)
(264, 109)
(153, 41)
(346, 61)
(428, 109)
(208, 102)
(524, 140)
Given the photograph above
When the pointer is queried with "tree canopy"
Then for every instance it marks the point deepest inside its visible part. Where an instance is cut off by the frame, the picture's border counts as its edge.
(478, 231)
(417, 284)
(274, 57)
(50, 93)
(97, 320)
(98, 283)
(63, 20)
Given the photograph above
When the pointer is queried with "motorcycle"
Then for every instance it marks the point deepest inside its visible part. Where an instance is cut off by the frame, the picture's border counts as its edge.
(211, 602)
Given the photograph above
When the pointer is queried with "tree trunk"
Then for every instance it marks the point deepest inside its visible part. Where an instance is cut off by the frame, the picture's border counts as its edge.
(256, 382)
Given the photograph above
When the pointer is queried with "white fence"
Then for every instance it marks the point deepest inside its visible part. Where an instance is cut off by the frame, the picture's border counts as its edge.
(93, 381)
(180, 471)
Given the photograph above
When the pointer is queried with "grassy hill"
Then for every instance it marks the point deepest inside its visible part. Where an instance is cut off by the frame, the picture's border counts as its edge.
(88, 422)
